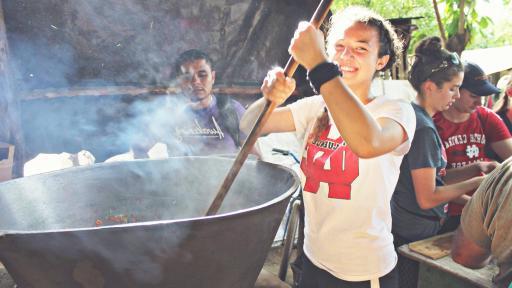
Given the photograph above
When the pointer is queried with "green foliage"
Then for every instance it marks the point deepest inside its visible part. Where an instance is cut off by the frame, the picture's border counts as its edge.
(452, 15)
(401, 9)
(497, 33)
(390, 8)
(483, 31)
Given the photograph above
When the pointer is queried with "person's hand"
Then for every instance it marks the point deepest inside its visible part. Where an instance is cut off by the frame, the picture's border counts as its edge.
(307, 46)
(486, 167)
(277, 87)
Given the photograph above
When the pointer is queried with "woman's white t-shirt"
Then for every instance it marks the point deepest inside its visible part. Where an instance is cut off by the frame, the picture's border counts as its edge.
(347, 199)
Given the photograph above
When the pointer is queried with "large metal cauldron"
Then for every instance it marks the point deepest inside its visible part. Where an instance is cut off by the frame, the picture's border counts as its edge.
(49, 238)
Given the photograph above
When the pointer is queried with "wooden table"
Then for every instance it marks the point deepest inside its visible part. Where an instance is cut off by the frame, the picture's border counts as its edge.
(444, 272)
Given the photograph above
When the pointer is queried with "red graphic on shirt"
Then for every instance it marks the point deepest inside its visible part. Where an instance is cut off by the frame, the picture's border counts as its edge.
(465, 142)
(344, 166)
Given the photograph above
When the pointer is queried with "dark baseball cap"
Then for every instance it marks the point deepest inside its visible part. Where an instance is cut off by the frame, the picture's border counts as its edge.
(476, 81)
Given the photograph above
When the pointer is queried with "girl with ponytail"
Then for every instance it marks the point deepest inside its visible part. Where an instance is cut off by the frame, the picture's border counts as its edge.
(424, 186)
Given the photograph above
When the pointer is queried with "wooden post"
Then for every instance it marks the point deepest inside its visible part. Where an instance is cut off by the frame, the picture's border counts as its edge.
(10, 128)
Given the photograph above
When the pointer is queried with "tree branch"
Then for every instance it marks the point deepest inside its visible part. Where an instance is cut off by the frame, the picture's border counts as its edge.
(462, 17)
(440, 23)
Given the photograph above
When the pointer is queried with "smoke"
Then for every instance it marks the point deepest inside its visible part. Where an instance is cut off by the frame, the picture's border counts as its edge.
(144, 253)
(60, 44)
(41, 66)
(70, 45)
(114, 42)
(57, 47)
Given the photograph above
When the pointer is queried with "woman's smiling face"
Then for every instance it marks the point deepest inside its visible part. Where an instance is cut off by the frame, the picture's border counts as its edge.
(357, 54)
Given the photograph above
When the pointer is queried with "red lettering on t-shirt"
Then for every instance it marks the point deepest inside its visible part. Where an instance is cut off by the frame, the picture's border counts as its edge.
(344, 166)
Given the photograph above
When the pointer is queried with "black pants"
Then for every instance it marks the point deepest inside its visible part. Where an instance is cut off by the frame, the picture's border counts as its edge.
(314, 277)
(407, 269)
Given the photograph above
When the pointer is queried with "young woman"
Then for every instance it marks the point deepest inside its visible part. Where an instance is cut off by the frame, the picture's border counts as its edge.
(353, 146)
(471, 133)
(418, 201)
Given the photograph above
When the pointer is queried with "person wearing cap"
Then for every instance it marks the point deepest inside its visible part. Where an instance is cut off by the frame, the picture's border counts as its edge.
(471, 134)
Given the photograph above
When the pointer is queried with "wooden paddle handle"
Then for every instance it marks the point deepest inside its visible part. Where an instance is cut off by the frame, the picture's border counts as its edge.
(317, 19)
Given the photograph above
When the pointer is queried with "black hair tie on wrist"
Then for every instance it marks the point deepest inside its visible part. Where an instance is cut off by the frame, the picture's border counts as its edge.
(322, 73)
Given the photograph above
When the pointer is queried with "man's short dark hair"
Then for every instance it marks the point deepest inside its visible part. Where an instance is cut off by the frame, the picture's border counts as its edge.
(191, 55)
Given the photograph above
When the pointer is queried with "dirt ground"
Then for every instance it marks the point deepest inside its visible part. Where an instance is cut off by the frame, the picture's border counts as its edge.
(273, 263)
(5, 278)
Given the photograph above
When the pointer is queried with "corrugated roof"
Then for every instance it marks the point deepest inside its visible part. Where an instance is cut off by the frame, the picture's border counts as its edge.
(491, 60)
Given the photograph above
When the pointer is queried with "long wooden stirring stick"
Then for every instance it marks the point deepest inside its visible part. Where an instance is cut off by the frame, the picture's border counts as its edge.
(317, 19)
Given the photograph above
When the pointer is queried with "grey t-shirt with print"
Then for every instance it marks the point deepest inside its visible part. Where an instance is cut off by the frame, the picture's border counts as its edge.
(409, 220)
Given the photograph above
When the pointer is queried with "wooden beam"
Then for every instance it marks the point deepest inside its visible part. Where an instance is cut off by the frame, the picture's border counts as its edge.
(131, 91)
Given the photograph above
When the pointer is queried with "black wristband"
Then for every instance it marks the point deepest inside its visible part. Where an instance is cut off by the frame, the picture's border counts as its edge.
(322, 73)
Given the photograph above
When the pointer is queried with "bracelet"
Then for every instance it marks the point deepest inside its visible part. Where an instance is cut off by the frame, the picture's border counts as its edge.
(322, 73)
